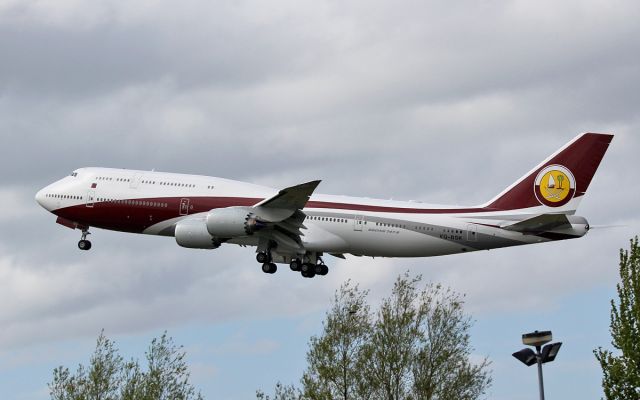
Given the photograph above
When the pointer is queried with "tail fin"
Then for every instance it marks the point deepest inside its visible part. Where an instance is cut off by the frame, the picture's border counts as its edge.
(560, 181)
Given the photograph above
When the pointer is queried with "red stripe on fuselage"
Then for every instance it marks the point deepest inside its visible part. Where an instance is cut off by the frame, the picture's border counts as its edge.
(121, 216)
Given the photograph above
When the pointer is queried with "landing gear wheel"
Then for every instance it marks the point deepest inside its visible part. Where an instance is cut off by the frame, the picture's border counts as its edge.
(295, 265)
(269, 268)
(307, 268)
(84, 244)
(308, 274)
(262, 257)
(321, 269)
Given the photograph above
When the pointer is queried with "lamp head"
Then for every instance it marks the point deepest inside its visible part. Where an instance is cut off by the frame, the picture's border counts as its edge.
(526, 356)
(550, 351)
(537, 338)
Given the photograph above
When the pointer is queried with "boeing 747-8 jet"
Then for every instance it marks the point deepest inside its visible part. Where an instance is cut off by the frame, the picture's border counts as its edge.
(295, 226)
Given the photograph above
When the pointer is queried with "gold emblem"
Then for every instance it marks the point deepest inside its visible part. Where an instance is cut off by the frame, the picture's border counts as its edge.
(554, 186)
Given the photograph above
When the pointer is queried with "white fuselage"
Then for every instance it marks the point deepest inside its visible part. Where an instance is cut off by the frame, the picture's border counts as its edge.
(154, 202)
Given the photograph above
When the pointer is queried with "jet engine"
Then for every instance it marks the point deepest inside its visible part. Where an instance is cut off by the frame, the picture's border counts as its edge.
(233, 222)
(193, 234)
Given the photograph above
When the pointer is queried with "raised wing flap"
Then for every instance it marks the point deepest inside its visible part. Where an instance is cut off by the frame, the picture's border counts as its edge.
(540, 223)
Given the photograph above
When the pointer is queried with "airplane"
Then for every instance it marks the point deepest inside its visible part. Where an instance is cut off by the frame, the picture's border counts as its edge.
(295, 226)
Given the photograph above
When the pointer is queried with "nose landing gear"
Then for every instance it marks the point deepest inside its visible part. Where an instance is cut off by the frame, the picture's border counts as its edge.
(84, 244)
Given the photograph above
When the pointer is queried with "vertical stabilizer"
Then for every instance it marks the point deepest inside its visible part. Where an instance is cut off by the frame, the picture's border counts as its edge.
(560, 181)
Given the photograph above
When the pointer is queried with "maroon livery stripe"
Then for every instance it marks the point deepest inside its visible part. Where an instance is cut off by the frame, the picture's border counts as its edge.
(136, 218)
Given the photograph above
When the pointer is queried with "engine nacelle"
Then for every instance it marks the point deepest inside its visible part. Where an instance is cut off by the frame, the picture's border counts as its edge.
(192, 233)
(232, 222)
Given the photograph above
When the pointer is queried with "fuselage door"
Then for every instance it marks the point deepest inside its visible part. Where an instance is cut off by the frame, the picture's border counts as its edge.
(472, 233)
(184, 206)
(358, 222)
(91, 197)
(135, 181)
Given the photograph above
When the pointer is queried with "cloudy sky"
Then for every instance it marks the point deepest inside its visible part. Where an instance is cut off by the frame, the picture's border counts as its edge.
(439, 101)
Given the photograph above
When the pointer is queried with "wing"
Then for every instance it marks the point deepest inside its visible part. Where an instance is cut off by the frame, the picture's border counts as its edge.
(284, 214)
(284, 204)
(540, 223)
(294, 197)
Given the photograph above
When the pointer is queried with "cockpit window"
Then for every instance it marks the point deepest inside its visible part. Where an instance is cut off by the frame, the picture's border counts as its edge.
(74, 174)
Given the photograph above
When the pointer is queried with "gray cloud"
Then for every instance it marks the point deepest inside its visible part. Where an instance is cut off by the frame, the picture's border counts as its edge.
(427, 101)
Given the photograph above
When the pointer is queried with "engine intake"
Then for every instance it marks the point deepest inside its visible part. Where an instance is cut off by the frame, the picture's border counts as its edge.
(193, 234)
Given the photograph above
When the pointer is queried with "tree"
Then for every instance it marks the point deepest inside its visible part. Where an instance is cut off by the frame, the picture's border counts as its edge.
(167, 376)
(420, 346)
(282, 392)
(442, 368)
(621, 371)
(393, 344)
(415, 346)
(335, 358)
(109, 377)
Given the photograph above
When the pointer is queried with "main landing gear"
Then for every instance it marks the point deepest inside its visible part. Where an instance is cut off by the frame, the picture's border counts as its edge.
(267, 266)
(84, 244)
(307, 269)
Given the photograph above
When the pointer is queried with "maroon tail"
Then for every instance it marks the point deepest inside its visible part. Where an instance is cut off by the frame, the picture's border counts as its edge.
(564, 176)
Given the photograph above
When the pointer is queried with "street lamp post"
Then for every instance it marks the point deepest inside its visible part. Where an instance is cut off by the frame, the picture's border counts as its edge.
(542, 355)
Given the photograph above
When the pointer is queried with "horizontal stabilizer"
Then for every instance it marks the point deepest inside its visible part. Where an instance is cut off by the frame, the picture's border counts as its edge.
(540, 223)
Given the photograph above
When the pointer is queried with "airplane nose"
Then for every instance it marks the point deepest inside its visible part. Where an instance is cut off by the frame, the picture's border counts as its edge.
(40, 198)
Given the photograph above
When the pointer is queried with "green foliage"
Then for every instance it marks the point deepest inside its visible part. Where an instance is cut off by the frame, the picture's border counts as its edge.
(416, 346)
(335, 358)
(420, 346)
(282, 392)
(394, 340)
(109, 377)
(621, 370)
